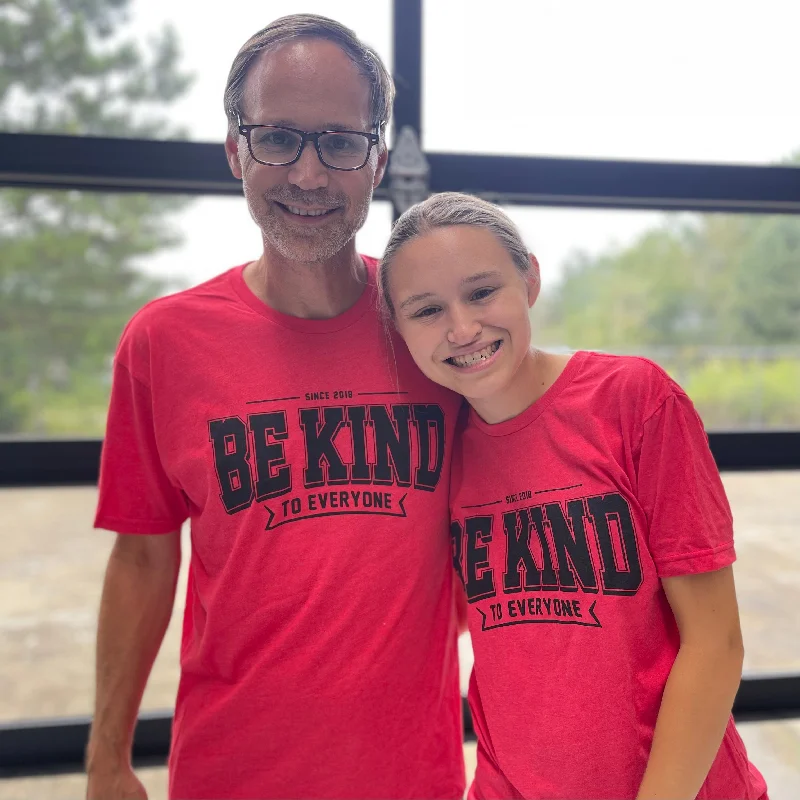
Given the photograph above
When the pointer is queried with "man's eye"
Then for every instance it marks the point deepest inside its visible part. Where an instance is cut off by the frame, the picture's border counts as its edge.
(340, 143)
(482, 294)
(276, 139)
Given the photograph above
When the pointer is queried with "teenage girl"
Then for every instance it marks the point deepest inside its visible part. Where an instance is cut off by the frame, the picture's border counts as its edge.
(590, 530)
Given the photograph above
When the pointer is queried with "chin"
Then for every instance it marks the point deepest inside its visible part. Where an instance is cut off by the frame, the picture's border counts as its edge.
(295, 247)
(476, 389)
(449, 381)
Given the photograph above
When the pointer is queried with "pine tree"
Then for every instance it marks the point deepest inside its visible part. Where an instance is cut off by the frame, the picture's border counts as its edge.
(69, 274)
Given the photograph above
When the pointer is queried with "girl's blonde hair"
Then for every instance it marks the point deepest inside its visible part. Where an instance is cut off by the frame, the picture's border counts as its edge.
(442, 211)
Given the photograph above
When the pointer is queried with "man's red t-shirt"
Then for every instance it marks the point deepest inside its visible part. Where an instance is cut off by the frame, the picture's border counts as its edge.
(564, 520)
(319, 655)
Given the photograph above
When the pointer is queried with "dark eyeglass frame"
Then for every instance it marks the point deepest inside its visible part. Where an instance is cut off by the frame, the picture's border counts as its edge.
(306, 136)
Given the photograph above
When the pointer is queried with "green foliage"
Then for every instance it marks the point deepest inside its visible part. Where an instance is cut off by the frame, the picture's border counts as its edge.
(69, 275)
(746, 393)
(716, 281)
(68, 70)
(768, 281)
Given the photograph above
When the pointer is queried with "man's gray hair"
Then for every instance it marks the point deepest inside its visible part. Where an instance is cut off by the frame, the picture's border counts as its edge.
(312, 26)
(442, 211)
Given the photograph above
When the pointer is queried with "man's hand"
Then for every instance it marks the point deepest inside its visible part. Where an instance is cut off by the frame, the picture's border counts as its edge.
(114, 784)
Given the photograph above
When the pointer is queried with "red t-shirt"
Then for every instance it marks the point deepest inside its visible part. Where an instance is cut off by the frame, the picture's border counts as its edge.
(319, 655)
(564, 519)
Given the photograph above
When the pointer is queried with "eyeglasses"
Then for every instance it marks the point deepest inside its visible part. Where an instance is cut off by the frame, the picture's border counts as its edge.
(276, 146)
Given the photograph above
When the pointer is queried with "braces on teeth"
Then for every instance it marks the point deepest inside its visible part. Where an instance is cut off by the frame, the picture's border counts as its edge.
(468, 361)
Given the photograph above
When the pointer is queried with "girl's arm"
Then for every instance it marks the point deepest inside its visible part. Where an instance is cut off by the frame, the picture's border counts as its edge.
(701, 687)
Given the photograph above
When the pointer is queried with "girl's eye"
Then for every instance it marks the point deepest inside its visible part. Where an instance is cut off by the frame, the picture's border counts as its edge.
(428, 311)
(482, 294)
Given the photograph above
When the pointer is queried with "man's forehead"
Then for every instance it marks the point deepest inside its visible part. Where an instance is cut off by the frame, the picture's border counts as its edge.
(307, 81)
(305, 53)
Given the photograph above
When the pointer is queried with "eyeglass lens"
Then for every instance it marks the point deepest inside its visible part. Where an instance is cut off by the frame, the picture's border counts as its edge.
(280, 145)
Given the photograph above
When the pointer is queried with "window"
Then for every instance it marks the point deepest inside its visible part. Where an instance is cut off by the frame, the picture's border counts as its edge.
(74, 268)
(59, 787)
(713, 298)
(172, 84)
(53, 562)
(618, 79)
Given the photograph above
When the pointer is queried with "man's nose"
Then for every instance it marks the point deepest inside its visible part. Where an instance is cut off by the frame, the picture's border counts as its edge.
(308, 172)
(464, 327)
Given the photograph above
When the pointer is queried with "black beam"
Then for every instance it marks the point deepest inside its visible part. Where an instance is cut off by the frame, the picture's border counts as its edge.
(760, 699)
(407, 64)
(100, 164)
(49, 462)
(94, 163)
(39, 747)
(755, 450)
(56, 462)
(56, 746)
(619, 184)
(768, 697)
(111, 164)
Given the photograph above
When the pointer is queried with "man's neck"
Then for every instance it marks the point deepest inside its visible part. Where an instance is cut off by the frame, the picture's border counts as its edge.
(315, 290)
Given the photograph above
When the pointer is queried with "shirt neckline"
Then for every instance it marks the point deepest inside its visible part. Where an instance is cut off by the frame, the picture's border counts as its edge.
(344, 320)
(537, 407)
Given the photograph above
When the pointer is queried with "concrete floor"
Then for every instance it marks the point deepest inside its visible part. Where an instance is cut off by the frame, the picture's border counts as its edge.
(51, 566)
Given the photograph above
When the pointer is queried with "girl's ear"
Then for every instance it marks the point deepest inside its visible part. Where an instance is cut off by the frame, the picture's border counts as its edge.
(533, 280)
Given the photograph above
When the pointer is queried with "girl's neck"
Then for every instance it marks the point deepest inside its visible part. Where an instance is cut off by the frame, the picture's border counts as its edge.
(536, 374)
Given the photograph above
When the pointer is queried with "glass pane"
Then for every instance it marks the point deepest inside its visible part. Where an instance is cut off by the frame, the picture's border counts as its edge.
(761, 739)
(162, 74)
(154, 779)
(75, 266)
(51, 588)
(774, 747)
(52, 564)
(60, 787)
(713, 298)
(689, 81)
(766, 512)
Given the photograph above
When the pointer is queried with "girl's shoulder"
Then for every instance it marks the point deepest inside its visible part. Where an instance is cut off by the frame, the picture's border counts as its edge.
(634, 384)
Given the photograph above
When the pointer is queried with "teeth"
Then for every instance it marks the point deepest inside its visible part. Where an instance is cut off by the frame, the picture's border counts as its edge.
(475, 358)
(305, 212)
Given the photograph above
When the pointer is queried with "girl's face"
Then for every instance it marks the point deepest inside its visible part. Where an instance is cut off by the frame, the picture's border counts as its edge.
(461, 305)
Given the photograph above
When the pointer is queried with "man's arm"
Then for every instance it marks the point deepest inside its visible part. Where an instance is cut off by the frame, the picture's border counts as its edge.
(701, 687)
(136, 605)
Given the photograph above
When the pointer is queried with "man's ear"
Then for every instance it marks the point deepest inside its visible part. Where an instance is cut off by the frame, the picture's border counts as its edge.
(232, 154)
(383, 158)
(534, 281)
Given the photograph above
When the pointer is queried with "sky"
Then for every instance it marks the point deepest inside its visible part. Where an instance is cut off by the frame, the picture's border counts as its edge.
(678, 81)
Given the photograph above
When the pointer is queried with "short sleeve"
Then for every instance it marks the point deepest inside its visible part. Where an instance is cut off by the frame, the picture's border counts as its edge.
(690, 527)
(136, 495)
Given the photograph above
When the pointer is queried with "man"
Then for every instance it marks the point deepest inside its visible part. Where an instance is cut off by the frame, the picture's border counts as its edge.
(312, 458)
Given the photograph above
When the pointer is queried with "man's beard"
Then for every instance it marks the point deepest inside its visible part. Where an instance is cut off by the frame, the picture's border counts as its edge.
(307, 244)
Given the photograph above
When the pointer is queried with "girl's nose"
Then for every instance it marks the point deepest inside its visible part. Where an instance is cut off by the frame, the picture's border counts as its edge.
(464, 328)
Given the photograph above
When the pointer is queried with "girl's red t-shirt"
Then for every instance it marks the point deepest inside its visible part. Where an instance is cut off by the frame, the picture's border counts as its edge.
(564, 520)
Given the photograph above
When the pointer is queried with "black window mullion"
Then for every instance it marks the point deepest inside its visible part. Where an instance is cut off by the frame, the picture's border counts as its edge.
(407, 64)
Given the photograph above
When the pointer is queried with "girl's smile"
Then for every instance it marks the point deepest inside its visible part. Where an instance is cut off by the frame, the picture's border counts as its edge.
(462, 307)
(477, 358)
